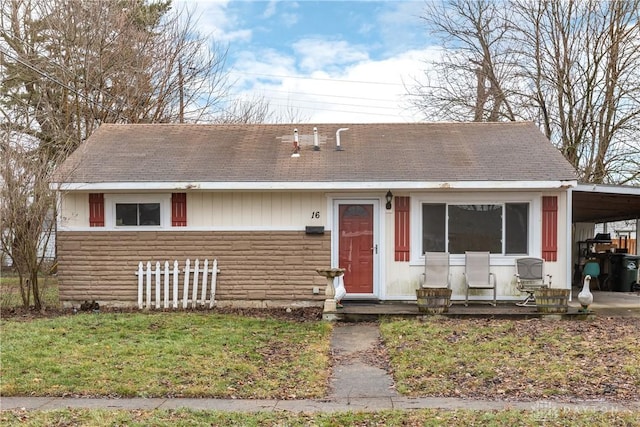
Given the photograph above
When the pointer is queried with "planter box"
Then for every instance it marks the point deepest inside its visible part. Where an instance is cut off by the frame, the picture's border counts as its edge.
(550, 300)
(433, 300)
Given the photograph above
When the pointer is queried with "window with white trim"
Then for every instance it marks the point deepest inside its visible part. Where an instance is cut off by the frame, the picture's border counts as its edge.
(138, 211)
(500, 228)
(137, 214)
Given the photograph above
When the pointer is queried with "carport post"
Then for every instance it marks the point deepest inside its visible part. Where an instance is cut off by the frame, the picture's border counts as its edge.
(569, 221)
(637, 234)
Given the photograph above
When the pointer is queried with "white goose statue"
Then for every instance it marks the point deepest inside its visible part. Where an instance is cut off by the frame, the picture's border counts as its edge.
(585, 297)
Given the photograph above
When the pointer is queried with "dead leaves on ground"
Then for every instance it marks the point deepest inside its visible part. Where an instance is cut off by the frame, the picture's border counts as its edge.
(527, 359)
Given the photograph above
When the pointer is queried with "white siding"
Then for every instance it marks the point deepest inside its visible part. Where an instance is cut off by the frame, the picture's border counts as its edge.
(74, 210)
(232, 210)
(275, 210)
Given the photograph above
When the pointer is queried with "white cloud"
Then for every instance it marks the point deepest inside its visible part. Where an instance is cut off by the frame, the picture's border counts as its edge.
(286, 9)
(399, 25)
(325, 79)
(270, 9)
(317, 53)
(365, 91)
(214, 19)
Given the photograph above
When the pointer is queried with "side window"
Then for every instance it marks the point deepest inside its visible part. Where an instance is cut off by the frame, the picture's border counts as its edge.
(517, 228)
(137, 214)
(434, 227)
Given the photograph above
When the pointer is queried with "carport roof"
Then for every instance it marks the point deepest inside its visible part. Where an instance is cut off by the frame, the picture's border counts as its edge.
(605, 203)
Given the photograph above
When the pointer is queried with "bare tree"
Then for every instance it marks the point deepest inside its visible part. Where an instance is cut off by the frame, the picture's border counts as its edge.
(586, 81)
(257, 109)
(245, 111)
(26, 210)
(472, 79)
(77, 64)
(66, 66)
(572, 66)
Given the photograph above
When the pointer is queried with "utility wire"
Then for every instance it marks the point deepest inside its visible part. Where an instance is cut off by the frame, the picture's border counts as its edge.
(327, 95)
(316, 78)
(323, 102)
(340, 111)
(101, 106)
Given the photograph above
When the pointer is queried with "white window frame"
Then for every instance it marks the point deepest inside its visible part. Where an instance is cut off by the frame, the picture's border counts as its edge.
(534, 226)
(110, 201)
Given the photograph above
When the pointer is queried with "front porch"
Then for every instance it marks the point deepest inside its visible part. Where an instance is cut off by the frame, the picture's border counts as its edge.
(622, 304)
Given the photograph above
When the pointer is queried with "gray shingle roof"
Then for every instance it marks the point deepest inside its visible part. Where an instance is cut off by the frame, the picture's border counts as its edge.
(436, 152)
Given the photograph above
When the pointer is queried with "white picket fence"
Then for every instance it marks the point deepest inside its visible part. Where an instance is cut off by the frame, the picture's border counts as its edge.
(195, 284)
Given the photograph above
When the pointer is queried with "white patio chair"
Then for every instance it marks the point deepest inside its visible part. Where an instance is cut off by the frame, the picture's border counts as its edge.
(436, 270)
(477, 274)
(529, 278)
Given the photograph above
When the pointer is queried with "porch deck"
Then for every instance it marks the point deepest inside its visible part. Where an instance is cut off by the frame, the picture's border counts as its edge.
(623, 304)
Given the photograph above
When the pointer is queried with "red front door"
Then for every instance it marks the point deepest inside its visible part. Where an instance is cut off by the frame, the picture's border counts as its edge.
(355, 247)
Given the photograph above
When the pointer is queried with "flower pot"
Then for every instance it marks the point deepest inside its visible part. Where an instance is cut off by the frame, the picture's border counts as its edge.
(433, 300)
(549, 300)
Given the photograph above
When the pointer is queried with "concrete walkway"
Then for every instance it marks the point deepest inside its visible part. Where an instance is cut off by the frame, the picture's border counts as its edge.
(358, 367)
(359, 383)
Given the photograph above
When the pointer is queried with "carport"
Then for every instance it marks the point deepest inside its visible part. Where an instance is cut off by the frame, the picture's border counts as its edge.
(596, 203)
(605, 203)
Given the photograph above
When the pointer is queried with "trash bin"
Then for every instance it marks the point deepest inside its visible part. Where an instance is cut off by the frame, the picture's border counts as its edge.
(629, 272)
(614, 280)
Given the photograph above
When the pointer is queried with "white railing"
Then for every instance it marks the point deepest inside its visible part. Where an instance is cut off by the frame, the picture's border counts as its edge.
(160, 279)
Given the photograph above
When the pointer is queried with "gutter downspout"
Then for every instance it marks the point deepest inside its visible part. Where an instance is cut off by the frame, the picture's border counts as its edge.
(569, 243)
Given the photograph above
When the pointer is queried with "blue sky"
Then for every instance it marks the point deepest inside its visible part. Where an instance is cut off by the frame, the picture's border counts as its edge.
(325, 61)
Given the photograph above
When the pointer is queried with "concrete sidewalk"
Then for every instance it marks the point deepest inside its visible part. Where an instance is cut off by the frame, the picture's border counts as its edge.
(307, 406)
(359, 383)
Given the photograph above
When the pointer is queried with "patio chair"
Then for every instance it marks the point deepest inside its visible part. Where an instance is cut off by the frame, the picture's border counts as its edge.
(592, 268)
(529, 278)
(477, 274)
(436, 270)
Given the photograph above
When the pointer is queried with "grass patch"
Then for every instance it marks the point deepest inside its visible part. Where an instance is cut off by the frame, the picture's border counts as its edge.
(165, 354)
(10, 292)
(528, 359)
(185, 417)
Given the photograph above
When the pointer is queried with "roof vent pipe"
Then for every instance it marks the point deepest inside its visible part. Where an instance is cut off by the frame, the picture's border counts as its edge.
(296, 145)
(316, 147)
(338, 147)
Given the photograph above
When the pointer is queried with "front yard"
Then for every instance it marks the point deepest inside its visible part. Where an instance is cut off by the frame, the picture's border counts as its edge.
(209, 354)
(524, 360)
(165, 354)
(254, 355)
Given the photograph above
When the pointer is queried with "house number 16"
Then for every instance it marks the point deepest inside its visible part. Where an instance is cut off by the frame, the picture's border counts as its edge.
(315, 214)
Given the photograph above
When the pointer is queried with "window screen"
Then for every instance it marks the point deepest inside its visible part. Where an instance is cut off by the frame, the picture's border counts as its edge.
(475, 228)
(517, 228)
(433, 227)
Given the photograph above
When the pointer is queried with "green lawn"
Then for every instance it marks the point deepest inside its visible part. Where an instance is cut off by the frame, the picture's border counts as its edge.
(185, 417)
(10, 291)
(209, 354)
(199, 354)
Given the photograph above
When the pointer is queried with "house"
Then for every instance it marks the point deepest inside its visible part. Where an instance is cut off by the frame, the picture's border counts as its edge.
(273, 203)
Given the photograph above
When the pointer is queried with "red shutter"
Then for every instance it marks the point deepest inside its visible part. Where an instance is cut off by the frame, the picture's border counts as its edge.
(550, 228)
(179, 209)
(402, 228)
(96, 210)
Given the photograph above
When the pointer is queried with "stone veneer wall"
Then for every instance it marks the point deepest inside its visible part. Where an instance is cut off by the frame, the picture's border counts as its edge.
(258, 268)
